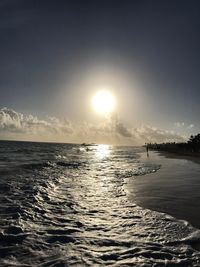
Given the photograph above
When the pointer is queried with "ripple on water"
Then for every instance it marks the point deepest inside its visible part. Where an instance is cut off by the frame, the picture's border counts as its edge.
(76, 213)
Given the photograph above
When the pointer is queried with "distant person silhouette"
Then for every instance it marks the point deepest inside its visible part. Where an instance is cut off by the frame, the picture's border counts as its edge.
(147, 149)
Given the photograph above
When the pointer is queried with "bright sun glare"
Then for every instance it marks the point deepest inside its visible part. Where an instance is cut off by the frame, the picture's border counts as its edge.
(103, 102)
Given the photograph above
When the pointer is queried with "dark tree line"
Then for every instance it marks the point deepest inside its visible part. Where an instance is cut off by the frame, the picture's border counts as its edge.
(191, 146)
(194, 143)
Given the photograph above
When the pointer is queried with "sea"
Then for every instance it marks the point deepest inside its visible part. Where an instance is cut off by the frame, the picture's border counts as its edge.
(80, 205)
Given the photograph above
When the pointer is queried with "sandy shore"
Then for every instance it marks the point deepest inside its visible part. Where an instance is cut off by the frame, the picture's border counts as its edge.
(174, 189)
(189, 156)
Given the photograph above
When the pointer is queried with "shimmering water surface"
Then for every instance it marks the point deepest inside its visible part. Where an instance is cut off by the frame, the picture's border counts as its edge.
(70, 205)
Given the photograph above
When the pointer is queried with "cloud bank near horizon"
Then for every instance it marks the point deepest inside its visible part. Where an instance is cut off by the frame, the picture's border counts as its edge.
(17, 126)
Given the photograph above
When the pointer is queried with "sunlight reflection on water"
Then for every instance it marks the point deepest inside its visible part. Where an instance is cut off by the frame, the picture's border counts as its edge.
(71, 208)
(103, 151)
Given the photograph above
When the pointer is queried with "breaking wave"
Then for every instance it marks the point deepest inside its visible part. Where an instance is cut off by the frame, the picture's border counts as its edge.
(73, 210)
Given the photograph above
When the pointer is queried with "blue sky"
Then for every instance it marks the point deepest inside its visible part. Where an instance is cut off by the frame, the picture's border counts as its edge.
(56, 54)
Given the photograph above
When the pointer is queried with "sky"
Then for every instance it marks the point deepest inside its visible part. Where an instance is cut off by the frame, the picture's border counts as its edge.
(56, 54)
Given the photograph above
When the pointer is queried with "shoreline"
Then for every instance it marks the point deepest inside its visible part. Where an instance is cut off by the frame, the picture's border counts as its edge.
(173, 189)
(195, 157)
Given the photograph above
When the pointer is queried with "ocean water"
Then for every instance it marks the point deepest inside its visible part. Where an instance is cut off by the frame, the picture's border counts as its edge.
(69, 205)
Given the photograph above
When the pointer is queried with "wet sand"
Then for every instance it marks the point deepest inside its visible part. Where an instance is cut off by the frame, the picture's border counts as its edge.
(174, 189)
(195, 157)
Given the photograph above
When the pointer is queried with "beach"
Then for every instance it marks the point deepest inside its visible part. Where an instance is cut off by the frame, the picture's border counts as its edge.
(174, 189)
(72, 205)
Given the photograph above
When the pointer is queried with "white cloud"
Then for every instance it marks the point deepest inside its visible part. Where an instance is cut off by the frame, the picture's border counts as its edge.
(179, 124)
(183, 125)
(154, 135)
(191, 126)
(15, 125)
(12, 122)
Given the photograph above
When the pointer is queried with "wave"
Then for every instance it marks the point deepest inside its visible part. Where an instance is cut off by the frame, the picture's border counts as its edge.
(75, 211)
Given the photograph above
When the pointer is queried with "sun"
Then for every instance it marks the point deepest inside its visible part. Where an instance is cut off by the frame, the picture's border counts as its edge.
(104, 102)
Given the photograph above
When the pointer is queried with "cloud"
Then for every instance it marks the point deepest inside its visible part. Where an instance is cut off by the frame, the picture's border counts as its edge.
(12, 122)
(179, 124)
(15, 125)
(150, 134)
(191, 126)
(183, 125)
(122, 130)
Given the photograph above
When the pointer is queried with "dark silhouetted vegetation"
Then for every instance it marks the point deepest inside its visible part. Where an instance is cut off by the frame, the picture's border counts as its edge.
(191, 147)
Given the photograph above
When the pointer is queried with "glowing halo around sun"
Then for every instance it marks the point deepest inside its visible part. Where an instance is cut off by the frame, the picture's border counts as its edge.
(104, 102)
